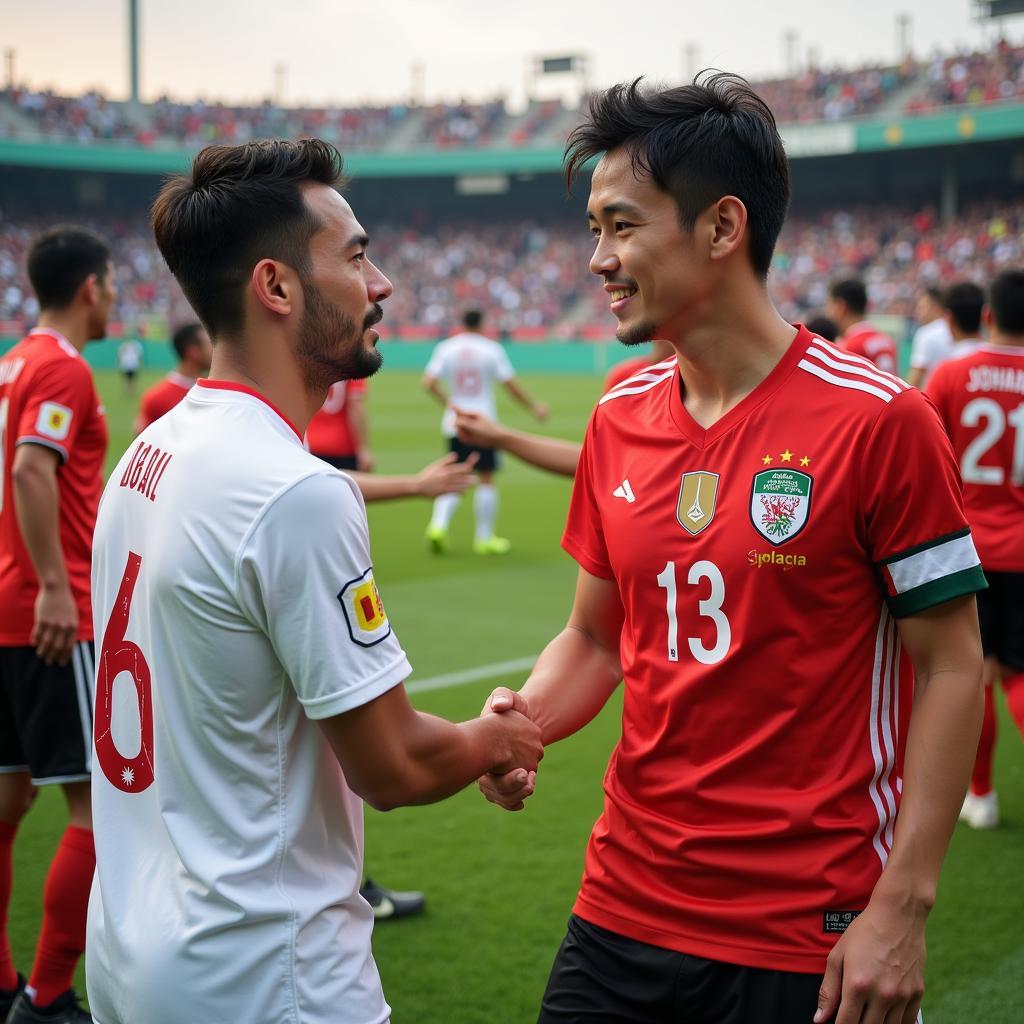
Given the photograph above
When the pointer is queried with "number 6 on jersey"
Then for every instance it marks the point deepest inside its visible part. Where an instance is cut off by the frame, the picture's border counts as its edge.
(129, 774)
(709, 607)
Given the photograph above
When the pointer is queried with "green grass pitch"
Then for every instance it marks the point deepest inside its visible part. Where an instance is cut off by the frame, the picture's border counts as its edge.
(500, 886)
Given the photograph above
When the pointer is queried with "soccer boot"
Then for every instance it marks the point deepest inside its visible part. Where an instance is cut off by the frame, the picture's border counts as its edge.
(492, 546)
(390, 903)
(437, 539)
(65, 1009)
(981, 811)
(8, 997)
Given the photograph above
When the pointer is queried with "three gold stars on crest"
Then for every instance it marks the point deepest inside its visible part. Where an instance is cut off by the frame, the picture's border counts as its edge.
(786, 456)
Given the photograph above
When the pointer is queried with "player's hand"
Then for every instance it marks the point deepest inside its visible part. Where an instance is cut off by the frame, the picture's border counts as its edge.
(473, 428)
(540, 411)
(446, 476)
(508, 789)
(56, 624)
(365, 460)
(875, 972)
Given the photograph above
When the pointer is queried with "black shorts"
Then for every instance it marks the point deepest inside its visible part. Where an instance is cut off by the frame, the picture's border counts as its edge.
(339, 461)
(486, 463)
(46, 714)
(1001, 615)
(600, 977)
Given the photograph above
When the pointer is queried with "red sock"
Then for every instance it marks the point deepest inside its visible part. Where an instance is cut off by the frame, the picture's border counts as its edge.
(981, 779)
(8, 975)
(65, 903)
(1013, 687)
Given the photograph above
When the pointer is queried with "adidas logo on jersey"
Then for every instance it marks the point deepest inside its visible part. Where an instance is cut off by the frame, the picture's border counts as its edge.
(624, 491)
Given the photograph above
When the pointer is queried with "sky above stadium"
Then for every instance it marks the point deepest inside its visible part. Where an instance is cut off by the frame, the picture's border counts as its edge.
(334, 51)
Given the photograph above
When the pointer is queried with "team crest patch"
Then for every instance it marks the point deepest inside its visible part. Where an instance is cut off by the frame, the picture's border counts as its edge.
(54, 421)
(780, 502)
(696, 506)
(364, 611)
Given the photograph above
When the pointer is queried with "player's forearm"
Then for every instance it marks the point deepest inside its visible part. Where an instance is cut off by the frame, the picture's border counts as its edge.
(439, 758)
(516, 391)
(357, 421)
(37, 507)
(432, 387)
(941, 748)
(548, 453)
(570, 683)
(384, 488)
(915, 378)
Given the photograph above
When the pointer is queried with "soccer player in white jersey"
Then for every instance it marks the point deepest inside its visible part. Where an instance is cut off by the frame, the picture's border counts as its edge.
(933, 342)
(774, 561)
(248, 690)
(468, 365)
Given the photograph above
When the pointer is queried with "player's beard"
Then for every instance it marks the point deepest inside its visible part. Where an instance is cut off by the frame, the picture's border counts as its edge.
(638, 334)
(330, 345)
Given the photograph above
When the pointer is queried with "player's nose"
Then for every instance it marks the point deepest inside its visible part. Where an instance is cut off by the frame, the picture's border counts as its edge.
(378, 287)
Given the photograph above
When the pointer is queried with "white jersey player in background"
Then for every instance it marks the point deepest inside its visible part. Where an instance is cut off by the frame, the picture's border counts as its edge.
(462, 373)
(249, 682)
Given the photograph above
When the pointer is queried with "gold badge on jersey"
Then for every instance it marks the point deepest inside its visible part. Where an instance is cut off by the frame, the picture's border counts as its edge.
(696, 506)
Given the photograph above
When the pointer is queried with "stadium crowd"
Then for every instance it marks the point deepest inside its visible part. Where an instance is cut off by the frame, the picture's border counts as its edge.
(814, 94)
(531, 281)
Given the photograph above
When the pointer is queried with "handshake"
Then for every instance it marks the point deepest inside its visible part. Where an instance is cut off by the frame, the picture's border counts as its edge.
(514, 778)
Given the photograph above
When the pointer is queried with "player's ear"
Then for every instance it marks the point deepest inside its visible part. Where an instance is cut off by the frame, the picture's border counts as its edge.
(90, 290)
(274, 286)
(728, 223)
(986, 316)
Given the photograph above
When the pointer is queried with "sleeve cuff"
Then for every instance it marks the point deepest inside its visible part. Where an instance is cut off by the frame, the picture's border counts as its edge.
(936, 592)
(585, 561)
(338, 703)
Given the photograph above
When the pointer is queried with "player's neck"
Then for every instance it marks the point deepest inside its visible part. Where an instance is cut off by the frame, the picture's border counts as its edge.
(1001, 340)
(281, 385)
(66, 323)
(722, 360)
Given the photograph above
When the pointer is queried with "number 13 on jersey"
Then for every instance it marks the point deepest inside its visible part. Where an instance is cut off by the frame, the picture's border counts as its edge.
(709, 607)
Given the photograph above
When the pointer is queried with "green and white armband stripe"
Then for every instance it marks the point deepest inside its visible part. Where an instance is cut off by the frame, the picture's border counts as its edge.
(932, 573)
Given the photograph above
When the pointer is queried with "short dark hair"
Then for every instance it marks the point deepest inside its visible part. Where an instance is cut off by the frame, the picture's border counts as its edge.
(1006, 297)
(61, 259)
(823, 326)
(697, 142)
(964, 301)
(936, 293)
(853, 292)
(472, 319)
(239, 204)
(185, 337)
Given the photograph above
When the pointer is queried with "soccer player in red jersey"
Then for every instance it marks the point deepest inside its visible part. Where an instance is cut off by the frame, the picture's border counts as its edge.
(192, 345)
(847, 306)
(980, 397)
(774, 558)
(53, 440)
(338, 433)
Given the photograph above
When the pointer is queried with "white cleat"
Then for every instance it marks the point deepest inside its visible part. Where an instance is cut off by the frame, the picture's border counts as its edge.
(981, 811)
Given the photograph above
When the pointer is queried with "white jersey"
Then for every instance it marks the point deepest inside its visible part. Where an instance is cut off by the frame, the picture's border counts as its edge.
(933, 342)
(470, 365)
(129, 356)
(232, 582)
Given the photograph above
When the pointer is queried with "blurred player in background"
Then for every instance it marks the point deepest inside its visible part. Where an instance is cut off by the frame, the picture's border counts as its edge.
(192, 346)
(932, 341)
(129, 362)
(267, 677)
(755, 559)
(823, 327)
(462, 372)
(53, 440)
(339, 433)
(964, 303)
(847, 307)
(980, 396)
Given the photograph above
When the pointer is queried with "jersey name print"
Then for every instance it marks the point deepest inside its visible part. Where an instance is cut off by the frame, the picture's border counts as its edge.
(762, 567)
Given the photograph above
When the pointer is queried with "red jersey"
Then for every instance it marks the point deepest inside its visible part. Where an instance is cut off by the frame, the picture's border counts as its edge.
(161, 398)
(330, 431)
(626, 369)
(762, 564)
(980, 397)
(867, 341)
(48, 397)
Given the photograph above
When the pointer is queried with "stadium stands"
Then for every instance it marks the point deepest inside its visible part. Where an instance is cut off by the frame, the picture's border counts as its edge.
(532, 281)
(916, 86)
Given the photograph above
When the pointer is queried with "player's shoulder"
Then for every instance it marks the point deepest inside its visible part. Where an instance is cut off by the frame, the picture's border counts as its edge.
(853, 384)
(648, 385)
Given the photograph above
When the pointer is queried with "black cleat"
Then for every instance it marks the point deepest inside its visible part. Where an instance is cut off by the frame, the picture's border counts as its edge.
(389, 903)
(8, 996)
(65, 1009)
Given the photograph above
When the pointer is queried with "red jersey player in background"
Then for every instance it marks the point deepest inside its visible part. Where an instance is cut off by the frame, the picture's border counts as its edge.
(772, 546)
(980, 396)
(192, 346)
(53, 440)
(847, 306)
(660, 351)
(339, 432)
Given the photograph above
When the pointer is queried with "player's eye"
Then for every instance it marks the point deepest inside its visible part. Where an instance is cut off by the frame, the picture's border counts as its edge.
(622, 225)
